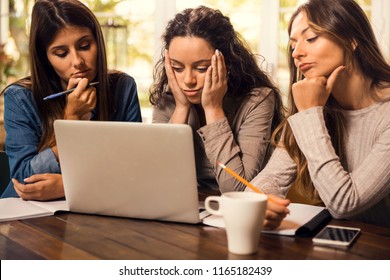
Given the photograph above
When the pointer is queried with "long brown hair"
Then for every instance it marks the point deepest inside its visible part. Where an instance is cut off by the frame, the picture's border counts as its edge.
(212, 26)
(48, 17)
(344, 22)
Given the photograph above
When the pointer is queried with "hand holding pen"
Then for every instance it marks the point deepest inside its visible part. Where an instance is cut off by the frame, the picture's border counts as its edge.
(276, 206)
(65, 92)
(80, 102)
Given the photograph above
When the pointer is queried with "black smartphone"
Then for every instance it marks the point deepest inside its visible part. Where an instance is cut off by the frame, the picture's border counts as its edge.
(336, 235)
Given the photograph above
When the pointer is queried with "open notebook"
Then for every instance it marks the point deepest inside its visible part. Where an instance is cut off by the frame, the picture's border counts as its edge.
(303, 220)
(16, 208)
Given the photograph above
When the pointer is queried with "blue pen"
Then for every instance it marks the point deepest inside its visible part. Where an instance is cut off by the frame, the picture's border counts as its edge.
(55, 95)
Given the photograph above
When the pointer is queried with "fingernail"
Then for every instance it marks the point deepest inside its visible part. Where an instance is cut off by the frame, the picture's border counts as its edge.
(217, 52)
(26, 179)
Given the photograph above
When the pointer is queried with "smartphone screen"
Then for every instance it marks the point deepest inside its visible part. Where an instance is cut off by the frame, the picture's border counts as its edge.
(335, 235)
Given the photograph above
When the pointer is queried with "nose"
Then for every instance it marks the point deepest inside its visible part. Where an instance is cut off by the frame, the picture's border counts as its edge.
(77, 59)
(298, 51)
(189, 78)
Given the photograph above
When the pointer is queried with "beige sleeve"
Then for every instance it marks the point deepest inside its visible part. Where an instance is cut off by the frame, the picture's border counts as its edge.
(344, 193)
(243, 150)
(278, 175)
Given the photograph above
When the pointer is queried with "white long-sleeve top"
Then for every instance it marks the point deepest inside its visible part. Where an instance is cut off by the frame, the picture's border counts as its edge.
(357, 188)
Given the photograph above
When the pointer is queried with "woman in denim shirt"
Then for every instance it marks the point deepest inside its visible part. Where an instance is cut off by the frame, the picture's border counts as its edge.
(66, 51)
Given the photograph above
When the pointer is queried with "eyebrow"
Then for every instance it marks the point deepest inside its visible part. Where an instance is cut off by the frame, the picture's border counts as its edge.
(195, 63)
(302, 32)
(78, 41)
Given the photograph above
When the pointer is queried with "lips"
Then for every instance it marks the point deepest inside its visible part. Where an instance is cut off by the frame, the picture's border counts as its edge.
(305, 66)
(191, 92)
(81, 74)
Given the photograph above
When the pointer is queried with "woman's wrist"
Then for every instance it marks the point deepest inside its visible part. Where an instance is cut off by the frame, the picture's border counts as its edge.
(180, 115)
(213, 115)
(71, 117)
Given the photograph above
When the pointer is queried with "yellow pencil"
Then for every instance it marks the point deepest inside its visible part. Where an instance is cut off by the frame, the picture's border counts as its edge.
(239, 178)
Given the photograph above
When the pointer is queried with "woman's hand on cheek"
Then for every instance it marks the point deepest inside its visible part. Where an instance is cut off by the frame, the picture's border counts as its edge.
(180, 99)
(215, 88)
(312, 92)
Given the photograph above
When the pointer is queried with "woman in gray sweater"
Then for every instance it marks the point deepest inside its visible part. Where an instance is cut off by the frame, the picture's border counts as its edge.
(335, 143)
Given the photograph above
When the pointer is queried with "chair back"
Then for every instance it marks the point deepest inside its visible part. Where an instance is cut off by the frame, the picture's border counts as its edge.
(4, 171)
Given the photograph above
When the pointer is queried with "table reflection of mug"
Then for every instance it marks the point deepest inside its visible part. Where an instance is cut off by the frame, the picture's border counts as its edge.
(243, 214)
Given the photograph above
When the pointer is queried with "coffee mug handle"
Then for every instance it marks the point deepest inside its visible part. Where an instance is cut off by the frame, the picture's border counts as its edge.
(209, 208)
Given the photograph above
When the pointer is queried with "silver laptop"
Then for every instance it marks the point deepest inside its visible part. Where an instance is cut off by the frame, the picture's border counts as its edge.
(134, 170)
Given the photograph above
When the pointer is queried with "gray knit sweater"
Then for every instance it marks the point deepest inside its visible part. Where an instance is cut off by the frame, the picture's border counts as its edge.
(357, 188)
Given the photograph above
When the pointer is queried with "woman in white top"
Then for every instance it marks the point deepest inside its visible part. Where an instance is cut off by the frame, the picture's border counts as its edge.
(335, 143)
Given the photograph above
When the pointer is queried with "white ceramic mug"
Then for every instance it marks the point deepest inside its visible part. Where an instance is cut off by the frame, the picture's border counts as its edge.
(243, 214)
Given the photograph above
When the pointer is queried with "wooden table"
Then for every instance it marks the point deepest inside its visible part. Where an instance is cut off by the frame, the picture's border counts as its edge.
(78, 236)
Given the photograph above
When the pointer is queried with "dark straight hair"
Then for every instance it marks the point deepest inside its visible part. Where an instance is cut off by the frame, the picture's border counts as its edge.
(47, 19)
